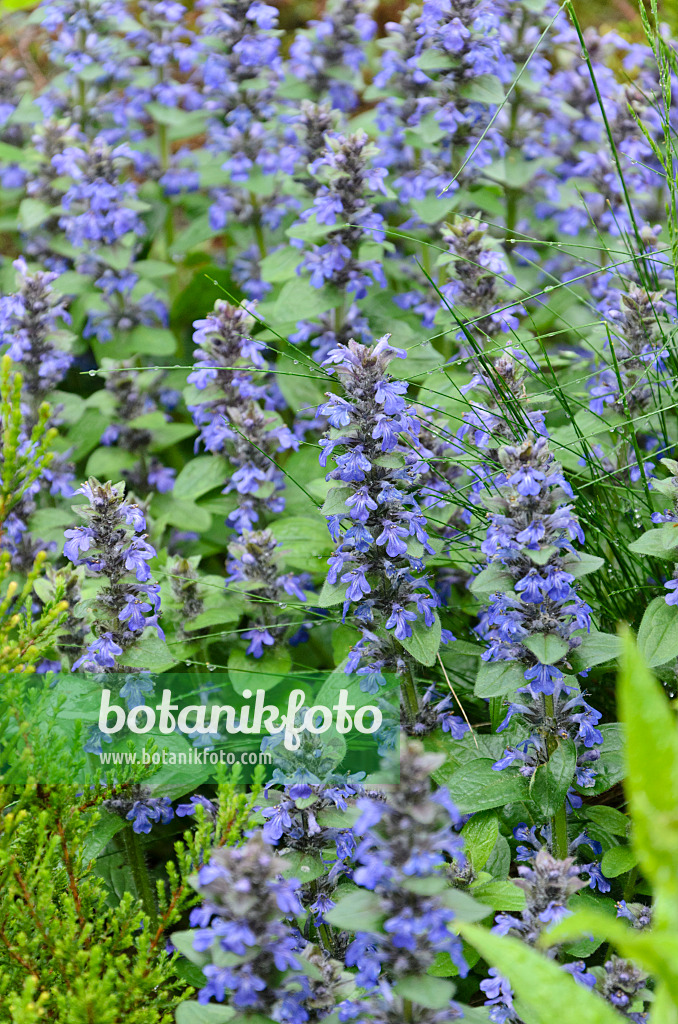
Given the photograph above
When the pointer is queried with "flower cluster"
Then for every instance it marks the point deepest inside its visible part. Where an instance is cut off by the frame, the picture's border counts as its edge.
(374, 515)
(253, 566)
(344, 204)
(537, 620)
(641, 366)
(431, 58)
(246, 914)
(330, 53)
(98, 205)
(231, 417)
(530, 531)
(136, 396)
(296, 823)
(30, 326)
(548, 884)
(405, 841)
(139, 806)
(113, 545)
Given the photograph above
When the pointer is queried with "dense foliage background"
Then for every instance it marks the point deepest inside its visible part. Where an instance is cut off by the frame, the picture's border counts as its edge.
(340, 352)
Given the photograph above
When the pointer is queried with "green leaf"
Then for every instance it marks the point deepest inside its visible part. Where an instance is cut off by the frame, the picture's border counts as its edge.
(185, 515)
(609, 818)
(546, 647)
(184, 943)
(424, 643)
(200, 475)
(581, 563)
(465, 906)
(335, 502)
(477, 787)
(540, 983)
(480, 834)
(198, 231)
(190, 1012)
(167, 435)
(611, 767)
(331, 594)
(657, 955)
(98, 838)
(595, 649)
(305, 541)
(150, 653)
(299, 300)
(618, 861)
(551, 781)
(152, 341)
(465, 648)
(500, 895)
(33, 213)
(498, 678)
(109, 463)
(246, 672)
(658, 633)
(442, 966)
(490, 580)
(483, 89)
(280, 265)
(662, 543)
(542, 555)
(652, 779)
(427, 990)
(357, 912)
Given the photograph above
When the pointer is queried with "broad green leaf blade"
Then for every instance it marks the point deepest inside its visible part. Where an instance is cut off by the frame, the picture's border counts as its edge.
(658, 956)
(547, 648)
(540, 983)
(658, 633)
(480, 834)
(595, 649)
(429, 991)
(498, 678)
(424, 643)
(477, 787)
(191, 1012)
(662, 543)
(551, 781)
(652, 778)
(617, 861)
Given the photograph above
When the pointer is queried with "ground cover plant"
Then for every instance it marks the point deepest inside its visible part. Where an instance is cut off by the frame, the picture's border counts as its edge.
(339, 354)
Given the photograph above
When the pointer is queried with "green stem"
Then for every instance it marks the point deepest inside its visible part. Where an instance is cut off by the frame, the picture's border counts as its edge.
(559, 841)
(410, 700)
(408, 1011)
(142, 881)
(326, 938)
(163, 145)
(81, 86)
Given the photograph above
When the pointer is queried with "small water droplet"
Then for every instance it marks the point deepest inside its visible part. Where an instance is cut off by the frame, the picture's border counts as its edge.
(282, 606)
(210, 667)
(549, 288)
(92, 373)
(296, 362)
(583, 54)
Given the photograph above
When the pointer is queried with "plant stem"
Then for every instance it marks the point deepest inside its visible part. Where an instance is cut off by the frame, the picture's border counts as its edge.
(142, 881)
(164, 147)
(408, 1011)
(559, 841)
(410, 700)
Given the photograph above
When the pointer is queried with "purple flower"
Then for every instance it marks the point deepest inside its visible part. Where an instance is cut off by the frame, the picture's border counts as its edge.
(258, 638)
